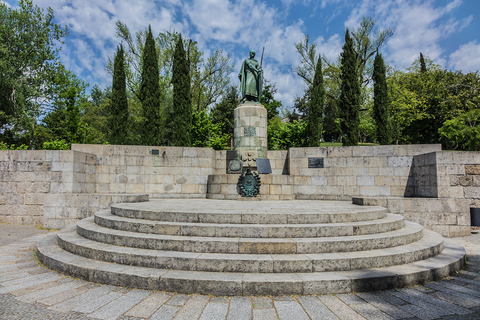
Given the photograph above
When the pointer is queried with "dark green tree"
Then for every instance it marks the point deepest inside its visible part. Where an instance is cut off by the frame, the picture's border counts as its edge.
(423, 66)
(222, 112)
(381, 112)
(269, 102)
(350, 94)
(150, 94)
(316, 108)
(179, 119)
(118, 115)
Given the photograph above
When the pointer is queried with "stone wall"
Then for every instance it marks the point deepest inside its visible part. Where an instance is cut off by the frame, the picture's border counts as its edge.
(448, 175)
(357, 171)
(55, 188)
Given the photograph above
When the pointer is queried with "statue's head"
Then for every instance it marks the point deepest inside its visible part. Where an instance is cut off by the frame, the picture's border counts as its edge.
(252, 54)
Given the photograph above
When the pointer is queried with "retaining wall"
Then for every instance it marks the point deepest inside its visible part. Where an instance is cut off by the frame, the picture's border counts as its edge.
(56, 188)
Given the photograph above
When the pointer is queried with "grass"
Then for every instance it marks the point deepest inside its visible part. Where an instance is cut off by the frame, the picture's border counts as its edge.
(40, 227)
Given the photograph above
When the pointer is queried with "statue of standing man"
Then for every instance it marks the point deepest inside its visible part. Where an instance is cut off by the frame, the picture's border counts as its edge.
(251, 79)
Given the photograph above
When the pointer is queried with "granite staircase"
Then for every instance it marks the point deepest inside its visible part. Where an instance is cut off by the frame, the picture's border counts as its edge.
(227, 247)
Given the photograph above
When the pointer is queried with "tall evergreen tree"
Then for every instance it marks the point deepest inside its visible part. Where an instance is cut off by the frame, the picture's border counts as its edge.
(316, 107)
(150, 94)
(180, 117)
(423, 66)
(118, 113)
(350, 94)
(381, 112)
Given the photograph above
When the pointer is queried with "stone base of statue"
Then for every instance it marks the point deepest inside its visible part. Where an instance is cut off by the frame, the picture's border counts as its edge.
(250, 134)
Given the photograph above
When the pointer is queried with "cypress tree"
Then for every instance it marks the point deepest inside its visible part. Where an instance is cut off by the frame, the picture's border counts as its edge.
(350, 94)
(380, 101)
(180, 118)
(150, 93)
(423, 66)
(316, 107)
(118, 117)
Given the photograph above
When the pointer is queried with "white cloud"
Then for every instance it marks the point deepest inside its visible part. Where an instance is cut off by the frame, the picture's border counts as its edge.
(466, 58)
(419, 27)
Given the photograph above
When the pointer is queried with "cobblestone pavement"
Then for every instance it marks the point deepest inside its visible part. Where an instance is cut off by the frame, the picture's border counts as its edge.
(30, 291)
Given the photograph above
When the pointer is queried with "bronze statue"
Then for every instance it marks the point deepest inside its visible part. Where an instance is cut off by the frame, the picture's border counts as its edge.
(251, 79)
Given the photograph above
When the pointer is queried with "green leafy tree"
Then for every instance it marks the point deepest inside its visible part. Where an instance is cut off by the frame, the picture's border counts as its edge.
(282, 136)
(180, 116)
(29, 65)
(380, 101)
(205, 133)
(150, 94)
(462, 132)
(316, 108)
(222, 112)
(423, 66)
(118, 117)
(350, 94)
(268, 100)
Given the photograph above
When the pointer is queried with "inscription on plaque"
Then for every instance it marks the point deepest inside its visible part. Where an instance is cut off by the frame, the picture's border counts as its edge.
(249, 132)
(155, 152)
(315, 163)
(263, 165)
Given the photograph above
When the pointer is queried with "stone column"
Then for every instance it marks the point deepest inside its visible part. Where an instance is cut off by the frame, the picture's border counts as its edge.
(250, 134)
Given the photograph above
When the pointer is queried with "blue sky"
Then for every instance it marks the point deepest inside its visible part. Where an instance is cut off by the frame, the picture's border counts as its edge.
(446, 31)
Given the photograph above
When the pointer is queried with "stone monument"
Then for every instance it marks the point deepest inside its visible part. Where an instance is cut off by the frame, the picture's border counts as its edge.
(250, 117)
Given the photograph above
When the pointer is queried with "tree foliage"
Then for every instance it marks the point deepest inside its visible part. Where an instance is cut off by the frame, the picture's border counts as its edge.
(381, 106)
(118, 117)
(180, 115)
(316, 107)
(30, 68)
(350, 94)
(150, 94)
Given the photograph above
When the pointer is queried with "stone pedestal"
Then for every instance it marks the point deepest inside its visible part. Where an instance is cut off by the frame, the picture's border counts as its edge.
(250, 134)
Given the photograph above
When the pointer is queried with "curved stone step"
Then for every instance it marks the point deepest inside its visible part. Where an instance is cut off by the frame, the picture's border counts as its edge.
(271, 212)
(88, 229)
(389, 223)
(430, 245)
(451, 259)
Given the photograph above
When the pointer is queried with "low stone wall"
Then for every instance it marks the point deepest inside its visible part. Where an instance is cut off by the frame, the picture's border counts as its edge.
(448, 216)
(357, 171)
(57, 187)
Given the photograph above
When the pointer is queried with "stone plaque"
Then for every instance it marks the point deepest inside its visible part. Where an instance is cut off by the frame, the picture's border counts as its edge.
(263, 165)
(250, 132)
(315, 163)
(248, 158)
(155, 152)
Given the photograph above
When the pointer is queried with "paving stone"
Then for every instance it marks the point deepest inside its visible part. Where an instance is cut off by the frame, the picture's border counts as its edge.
(43, 294)
(290, 310)
(47, 278)
(434, 309)
(454, 309)
(82, 299)
(193, 308)
(370, 312)
(178, 300)
(350, 298)
(452, 286)
(98, 303)
(315, 308)
(262, 302)
(419, 312)
(240, 308)
(59, 297)
(166, 312)
(121, 305)
(455, 299)
(149, 305)
(32, 289)
(456, 293)
(265, 314)
(340, 309)
(215, 311)
(375, 300)
(219, 300)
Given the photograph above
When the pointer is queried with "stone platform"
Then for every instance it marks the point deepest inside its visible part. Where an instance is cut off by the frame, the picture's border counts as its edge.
(224, 247)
